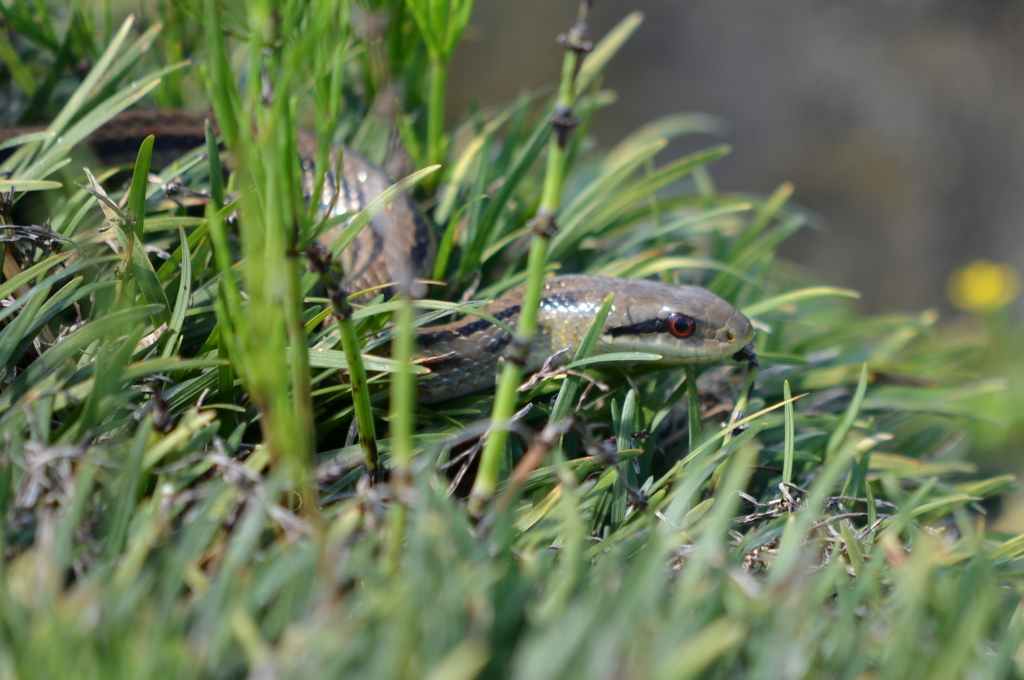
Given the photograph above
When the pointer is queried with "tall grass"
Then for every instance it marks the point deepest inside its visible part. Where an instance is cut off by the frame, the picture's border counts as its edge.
(183, 484)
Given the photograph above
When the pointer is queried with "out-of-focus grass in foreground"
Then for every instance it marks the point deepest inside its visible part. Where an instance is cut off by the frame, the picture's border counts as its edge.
(182, 491)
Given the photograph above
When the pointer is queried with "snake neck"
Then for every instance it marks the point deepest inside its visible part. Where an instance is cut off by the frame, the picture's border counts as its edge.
(464, 356)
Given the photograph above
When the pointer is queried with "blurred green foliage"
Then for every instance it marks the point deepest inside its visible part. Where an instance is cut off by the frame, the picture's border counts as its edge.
(176, 492)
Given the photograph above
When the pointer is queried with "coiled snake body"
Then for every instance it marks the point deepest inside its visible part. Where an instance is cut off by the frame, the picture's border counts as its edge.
(683, 324)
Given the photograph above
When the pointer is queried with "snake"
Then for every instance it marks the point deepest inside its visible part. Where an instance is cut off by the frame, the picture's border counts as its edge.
(682, 324)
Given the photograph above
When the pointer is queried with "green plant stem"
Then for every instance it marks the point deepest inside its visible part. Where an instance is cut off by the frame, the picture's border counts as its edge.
(402, 392)
(397, 519)
(216, 174)
(544, 228)
(435, 114)
(330, 277)
(272, 300)
(360, 395)
(505, 400)
(228, 308)
(269, 209)
(302, 395)
(401, 421)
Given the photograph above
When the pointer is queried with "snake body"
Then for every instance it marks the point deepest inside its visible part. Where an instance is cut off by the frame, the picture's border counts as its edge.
(682, 324)
(464, 355)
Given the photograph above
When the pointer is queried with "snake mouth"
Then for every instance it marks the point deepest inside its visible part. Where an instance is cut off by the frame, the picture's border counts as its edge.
(747, 354)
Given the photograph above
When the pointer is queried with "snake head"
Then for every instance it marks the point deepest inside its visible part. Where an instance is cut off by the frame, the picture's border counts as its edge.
(684, 324)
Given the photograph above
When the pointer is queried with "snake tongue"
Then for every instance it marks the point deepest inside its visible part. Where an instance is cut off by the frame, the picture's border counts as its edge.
(747, 354)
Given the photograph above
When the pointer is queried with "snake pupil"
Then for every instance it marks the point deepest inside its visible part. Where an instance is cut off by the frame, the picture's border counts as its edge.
(680, 325)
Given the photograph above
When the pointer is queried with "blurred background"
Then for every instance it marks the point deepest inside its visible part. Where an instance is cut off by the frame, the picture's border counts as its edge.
(901, 122)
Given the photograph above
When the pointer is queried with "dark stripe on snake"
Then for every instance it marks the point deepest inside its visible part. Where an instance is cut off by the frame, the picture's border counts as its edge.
(427, 339)
(643, 328)
(421, 248)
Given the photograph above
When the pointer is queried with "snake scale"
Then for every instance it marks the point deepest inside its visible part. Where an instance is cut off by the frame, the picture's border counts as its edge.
(683, 324)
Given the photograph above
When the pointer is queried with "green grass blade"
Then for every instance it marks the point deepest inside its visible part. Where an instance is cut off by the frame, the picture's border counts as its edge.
(28, 138)
(668, 127)
(17, 330)
(695, 423)
(839, 434)
(177, 320)
(21, 186)
(513, 178)
(571, 384)
(789, 443)
(7, 288)
(605, 49)
(96, 73)
(330, 358)
(67, 348)
(615, 358)
(137, 190)
(792, 297)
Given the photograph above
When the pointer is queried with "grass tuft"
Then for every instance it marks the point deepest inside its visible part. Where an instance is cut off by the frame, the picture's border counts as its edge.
(200, 476)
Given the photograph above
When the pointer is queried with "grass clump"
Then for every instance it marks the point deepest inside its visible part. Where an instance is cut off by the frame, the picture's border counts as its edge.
(182, 487)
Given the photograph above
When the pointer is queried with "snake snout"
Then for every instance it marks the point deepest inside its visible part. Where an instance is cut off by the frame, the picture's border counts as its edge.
(738, 330)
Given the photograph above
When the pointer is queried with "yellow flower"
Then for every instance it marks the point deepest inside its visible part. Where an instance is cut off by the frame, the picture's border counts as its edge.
(983, 286)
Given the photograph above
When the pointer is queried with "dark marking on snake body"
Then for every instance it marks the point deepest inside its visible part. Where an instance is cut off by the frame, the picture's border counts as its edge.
(422, 246)
(428, 339)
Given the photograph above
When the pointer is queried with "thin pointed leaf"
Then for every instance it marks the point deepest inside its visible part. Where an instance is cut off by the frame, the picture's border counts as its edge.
(794, 296)
(177, 320)
(605, 49)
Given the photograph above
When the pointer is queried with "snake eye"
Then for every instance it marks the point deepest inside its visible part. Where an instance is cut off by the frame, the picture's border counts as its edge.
(681, 325)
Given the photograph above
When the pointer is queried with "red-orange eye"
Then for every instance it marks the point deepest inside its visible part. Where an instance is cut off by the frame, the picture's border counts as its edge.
(681, 325)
